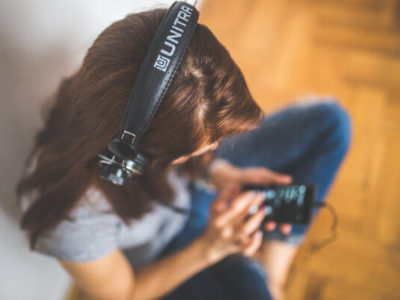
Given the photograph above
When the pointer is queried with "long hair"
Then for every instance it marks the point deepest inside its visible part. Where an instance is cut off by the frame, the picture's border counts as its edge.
(207, 100)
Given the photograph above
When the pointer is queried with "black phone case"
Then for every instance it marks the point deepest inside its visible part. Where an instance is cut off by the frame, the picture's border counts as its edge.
(284, 213)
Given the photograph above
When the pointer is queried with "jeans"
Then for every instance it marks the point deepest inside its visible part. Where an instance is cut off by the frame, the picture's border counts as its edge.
(307, 140)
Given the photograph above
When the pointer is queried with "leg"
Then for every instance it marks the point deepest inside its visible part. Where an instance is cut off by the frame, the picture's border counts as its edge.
(203, 285)
(276, 257)
(244, 277)
(307, 141)
(236, 277)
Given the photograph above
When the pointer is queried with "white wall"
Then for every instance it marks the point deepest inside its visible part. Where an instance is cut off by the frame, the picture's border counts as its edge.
(74, 23)
(40, 41)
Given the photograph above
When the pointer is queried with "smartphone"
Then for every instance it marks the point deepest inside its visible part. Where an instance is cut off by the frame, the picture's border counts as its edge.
(290, 203)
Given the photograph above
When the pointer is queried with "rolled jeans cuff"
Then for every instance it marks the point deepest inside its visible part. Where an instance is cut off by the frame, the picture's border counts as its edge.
(295, 239)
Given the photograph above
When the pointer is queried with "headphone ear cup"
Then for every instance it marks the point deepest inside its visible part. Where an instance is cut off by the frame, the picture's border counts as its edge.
(111, 168)
(121, 149)
(112, 173)
(138, 164)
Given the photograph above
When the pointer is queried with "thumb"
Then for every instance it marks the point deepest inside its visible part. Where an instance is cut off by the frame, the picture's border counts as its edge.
(278, 177)
(267, 176)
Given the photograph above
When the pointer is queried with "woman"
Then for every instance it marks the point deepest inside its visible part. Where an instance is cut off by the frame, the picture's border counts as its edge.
(124, 242)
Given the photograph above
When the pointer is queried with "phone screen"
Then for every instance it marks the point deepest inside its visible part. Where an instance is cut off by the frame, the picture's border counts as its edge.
(288, 203)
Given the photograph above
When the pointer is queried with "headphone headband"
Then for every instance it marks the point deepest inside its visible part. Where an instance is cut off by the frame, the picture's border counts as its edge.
(156, 73)
(122, 158)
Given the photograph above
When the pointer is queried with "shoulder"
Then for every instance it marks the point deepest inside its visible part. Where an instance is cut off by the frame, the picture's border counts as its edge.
(89, 233)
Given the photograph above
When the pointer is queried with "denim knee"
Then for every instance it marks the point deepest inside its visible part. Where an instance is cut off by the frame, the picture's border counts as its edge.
(334, 120)
(339, 121)
(239, 260)
(243, 276)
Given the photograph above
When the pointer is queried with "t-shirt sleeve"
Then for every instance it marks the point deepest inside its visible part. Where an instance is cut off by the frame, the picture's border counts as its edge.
(88, 236)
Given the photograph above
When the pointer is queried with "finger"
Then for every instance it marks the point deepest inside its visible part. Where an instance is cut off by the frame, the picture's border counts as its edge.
(221, 202)
(251, 225)
(269, 226)
(285, 228)
(254, 244)
(239, 204)
(265, 176)
(250, 210)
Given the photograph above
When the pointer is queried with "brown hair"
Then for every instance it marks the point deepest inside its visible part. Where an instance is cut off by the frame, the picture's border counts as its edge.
(207, 100)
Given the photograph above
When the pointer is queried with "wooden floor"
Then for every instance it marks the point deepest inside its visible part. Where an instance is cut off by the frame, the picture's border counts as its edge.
(350, 49)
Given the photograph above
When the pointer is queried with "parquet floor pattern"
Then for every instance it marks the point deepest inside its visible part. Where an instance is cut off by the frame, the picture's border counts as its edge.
(349, 49)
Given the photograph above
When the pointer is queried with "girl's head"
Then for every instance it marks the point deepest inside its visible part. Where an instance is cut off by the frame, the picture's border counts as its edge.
(207, 100)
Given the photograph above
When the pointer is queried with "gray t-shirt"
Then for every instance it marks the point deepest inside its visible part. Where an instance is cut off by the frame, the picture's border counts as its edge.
(96, 231)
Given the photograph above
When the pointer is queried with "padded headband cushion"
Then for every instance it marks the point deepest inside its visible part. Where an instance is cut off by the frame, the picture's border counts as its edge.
(156, 73)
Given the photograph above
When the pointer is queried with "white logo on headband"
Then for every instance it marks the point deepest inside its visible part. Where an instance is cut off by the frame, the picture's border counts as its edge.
(162, 60)
(162, 63)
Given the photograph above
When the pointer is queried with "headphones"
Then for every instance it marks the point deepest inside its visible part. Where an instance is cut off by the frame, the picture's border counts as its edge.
(123, 159)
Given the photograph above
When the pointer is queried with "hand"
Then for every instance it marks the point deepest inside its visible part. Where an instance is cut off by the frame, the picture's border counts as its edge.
(227, 176)
(227, 230)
